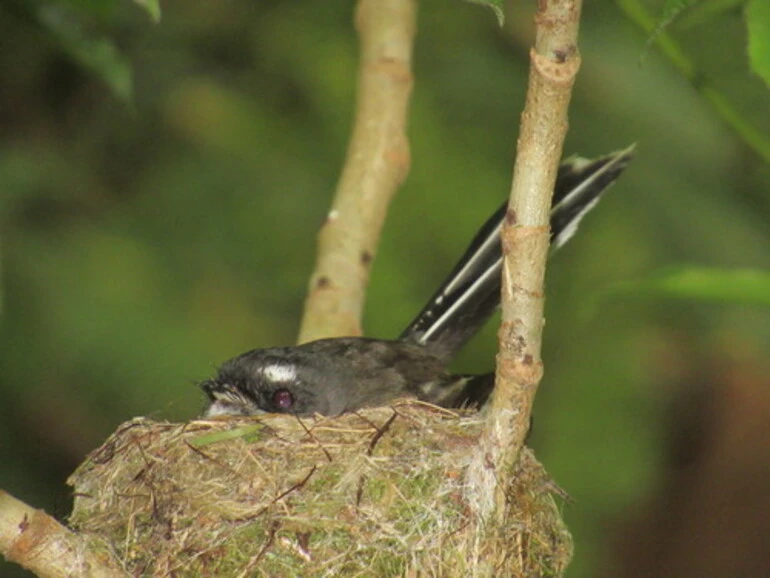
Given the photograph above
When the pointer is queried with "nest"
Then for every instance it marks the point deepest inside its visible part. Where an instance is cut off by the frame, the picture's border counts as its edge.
(376, 493)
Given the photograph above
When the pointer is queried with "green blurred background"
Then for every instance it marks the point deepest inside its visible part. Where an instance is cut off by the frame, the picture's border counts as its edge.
(144, 243)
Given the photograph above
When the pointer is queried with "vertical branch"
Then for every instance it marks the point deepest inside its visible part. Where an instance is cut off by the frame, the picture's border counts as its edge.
(554, 62)
(377, 163)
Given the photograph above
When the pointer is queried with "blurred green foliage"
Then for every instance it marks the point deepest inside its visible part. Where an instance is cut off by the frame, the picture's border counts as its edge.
(758, 26)
(733, 286)
(144, 244)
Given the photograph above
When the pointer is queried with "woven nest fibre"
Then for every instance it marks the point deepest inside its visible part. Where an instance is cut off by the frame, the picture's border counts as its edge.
(380, 492)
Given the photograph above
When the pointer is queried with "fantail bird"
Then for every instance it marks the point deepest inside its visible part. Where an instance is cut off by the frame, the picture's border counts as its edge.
(335, 375)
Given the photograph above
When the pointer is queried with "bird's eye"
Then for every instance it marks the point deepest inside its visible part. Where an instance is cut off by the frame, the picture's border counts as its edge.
(283, 399)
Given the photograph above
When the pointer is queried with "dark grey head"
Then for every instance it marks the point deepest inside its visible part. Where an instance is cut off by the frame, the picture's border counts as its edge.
(328, 376)
(265, 381)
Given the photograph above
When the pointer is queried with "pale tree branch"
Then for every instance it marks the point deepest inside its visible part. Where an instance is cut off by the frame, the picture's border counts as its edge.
(37, 542)
(554, 62)
(377, 163)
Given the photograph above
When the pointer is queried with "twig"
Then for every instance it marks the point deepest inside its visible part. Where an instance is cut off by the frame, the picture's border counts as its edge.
(731, 115)
(381, 431)
(254, 562)
(37, 542)
(554, 62)
(377, 163)
(315, 439)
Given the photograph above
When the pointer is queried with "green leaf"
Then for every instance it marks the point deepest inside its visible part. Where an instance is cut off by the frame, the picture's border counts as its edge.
(152, 7)
(95, 53)
(737, 286)
(758, 25)
(495, 5)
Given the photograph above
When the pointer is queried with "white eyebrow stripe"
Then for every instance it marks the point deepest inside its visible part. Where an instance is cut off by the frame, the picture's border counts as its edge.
(279, 373)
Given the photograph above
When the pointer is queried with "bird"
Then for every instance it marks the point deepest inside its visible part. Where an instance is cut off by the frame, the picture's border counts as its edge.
(336, 375)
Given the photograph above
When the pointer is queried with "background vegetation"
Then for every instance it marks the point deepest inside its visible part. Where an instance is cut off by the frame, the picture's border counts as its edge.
(149, 233)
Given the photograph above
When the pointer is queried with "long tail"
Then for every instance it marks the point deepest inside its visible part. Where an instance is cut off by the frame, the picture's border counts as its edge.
(471, 293)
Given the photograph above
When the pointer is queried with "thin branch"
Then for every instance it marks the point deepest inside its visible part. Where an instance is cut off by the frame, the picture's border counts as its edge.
(759, 142)
(377, 163)
(554, 62)
(37, 542)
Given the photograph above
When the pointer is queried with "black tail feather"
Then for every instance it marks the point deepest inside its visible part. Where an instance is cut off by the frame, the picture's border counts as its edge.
(471, 292)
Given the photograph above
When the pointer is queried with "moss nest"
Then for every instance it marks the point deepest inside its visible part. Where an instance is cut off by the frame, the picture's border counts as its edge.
(379, 492)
